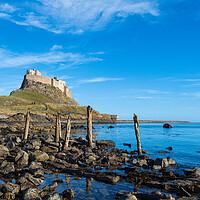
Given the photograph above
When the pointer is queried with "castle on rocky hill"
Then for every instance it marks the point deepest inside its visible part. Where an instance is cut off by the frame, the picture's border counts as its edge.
(36, 76)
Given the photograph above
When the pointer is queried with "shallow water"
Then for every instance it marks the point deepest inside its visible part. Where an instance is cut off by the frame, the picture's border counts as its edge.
(183, 138)
(91, 189)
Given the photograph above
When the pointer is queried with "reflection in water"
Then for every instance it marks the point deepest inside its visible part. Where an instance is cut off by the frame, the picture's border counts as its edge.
(135, 188)
(88, 185)
(67, 180)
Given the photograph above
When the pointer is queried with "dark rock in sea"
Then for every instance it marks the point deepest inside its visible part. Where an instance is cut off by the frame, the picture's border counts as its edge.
(107, 143)
(111, 127)
(167, 125)
(163, 152)
(169, 148)
(125, 144)
(113, 180)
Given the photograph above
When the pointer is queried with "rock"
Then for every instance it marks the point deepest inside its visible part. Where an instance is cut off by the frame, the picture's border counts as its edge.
(9, 196)
(169, 148)
(167, 125)
(54, 196)
(156, 193)
(163, 152)
(33, 180)
(10, 187)
(69, 194)
(10, 144)
(31, 194)
(187, 198)
(107, 143)
(8, 169)
(27, 180)
(128, 197)
(49, 149)
(39, 156)
(111, 127)
(18, 139)
(195, 172)
(157, 167)
(161, 162)
(4, 152)
(21, 158)
(35, 165)
(142, 162)
(170, 161)
(109, 179)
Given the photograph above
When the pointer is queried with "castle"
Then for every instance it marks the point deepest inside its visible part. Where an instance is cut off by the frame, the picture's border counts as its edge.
(36, 76)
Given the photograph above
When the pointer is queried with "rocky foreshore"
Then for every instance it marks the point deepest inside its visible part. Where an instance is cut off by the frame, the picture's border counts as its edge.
(23, 165)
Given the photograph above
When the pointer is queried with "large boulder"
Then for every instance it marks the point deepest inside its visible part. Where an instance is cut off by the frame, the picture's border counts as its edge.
(39, 156)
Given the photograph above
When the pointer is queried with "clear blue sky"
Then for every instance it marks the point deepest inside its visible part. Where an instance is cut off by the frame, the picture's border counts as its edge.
(119, 56)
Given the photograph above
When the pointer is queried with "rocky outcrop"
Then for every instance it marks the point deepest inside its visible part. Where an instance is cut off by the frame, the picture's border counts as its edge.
(167, 125)
(53, 93)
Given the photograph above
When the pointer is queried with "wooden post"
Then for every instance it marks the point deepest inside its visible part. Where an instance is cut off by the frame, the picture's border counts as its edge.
(27, 125)
(89, 126)
(60, 126)
(137, 133)
(57, 131)
(68, 130)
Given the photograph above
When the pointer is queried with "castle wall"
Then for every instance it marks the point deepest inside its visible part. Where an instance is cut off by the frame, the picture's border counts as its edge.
(35, 75)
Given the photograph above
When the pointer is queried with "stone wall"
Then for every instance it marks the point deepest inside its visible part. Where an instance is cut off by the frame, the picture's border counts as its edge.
(36, 76)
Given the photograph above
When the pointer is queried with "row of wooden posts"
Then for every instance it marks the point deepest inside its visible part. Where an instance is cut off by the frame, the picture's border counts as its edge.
(89, 129)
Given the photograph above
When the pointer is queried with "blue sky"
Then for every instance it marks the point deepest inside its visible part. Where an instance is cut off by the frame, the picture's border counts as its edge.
(119, 56)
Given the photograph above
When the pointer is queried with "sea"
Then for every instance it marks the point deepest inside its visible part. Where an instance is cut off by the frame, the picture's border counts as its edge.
(183, 138)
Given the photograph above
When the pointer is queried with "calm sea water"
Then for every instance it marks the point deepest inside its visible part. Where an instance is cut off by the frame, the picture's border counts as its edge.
(183, 138)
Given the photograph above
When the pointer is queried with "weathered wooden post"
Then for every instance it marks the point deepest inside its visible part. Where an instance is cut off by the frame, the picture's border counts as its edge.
(68, 130)
(57, 131)
(27, 125)
(89, 126)
(137, 133)
(60, 126)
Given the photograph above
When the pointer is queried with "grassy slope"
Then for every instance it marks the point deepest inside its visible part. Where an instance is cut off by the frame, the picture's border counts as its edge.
(21, 100)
